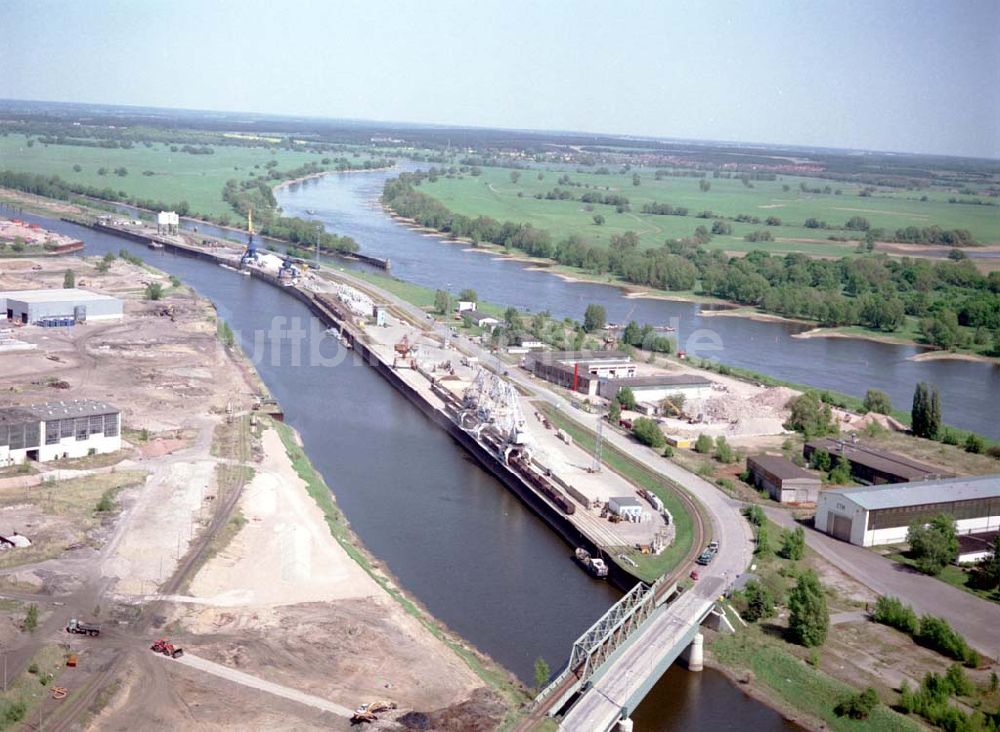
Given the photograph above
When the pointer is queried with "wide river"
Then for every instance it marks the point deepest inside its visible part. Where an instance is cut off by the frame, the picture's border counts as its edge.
(453, 535)
(348, 204)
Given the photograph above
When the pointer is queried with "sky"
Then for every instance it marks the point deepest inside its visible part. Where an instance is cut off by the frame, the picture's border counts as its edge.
(915, 76)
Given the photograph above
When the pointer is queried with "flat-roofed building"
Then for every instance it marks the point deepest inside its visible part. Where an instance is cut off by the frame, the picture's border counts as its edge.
(882, 514)
(580, 371)
(54, 430)
(873, 465)
(654, 389)
(483, 320)
(70, 304)
(627, 507)
(783, 480)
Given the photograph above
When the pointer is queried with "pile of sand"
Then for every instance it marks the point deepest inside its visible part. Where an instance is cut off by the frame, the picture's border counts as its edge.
(284, 554)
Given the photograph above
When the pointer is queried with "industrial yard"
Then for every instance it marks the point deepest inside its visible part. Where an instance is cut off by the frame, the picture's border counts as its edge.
(203, 530)
(702, 402)
(600, 504)
(21, 238)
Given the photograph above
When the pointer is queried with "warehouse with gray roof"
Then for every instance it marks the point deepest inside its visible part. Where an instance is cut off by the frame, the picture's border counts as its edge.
(783, 480)
(45, 307)
(870, 464)
(68, 429)
(882, 514)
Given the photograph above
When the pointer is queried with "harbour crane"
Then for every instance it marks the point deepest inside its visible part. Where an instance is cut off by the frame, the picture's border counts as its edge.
(250, 254)
(492, 404)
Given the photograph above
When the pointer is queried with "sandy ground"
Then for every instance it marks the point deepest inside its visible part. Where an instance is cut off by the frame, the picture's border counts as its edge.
(736, 409)
(283, 601)
(951, 356)
(159, 368)
(284, 598)
(285, 554)
(164, 518)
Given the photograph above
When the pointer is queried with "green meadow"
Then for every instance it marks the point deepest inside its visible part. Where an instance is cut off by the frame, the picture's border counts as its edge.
(154, 172)
(494, 194)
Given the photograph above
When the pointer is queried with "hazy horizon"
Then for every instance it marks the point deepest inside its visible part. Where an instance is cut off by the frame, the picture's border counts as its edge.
(402, 123)
(904, 77)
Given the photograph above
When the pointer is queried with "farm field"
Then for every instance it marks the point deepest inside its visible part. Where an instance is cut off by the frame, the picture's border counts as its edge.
(494, 194)
(176, 176)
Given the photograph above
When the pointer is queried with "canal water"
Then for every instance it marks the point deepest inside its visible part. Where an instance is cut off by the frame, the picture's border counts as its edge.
(348, 204)
(447, 530)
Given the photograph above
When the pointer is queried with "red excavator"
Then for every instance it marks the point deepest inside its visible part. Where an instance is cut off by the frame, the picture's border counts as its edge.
(167, 648)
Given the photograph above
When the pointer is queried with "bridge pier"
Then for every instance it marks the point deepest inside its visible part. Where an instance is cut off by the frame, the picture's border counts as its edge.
(624, 725)
(694, 654)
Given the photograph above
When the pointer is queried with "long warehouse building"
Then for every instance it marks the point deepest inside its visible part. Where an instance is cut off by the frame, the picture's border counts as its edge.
(882, 514)
(70, 304)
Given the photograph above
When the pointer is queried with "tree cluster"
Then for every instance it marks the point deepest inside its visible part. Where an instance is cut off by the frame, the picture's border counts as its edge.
(809, 618)
(927, 630)
(925, 415)
(648, 432)
(810, 416)
(933, 546)
(873, 290)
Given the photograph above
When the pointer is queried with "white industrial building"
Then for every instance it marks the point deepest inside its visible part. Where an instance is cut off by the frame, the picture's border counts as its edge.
(57, 306)
(54, 430)
(483, 320)
(654, 389)
(627, 507)
(580, 371)
(167, 222)
(882, 514)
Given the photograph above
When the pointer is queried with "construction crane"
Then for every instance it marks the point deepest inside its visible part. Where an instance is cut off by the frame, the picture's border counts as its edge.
(250, 254)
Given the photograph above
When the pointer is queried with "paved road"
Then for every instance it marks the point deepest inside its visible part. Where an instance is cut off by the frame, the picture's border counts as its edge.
(238, 677)
(977, 619)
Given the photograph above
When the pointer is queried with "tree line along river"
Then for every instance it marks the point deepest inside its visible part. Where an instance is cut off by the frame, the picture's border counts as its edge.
(348, 205)
(453, 536)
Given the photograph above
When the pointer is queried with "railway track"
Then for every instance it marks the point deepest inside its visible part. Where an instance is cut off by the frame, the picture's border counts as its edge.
(65, 716)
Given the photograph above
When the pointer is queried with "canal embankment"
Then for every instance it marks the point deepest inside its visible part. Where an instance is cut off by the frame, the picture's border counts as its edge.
(531, 484)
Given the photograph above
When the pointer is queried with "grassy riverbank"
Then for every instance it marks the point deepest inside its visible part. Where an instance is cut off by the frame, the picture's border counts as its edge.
(793, 684)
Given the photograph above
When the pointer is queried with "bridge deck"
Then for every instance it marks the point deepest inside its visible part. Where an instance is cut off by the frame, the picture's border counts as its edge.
(639, 664)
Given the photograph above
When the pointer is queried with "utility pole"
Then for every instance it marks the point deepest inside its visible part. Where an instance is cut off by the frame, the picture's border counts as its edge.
(598, 443)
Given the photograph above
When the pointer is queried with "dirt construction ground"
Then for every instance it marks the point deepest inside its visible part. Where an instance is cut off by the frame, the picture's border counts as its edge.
(212, 541)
